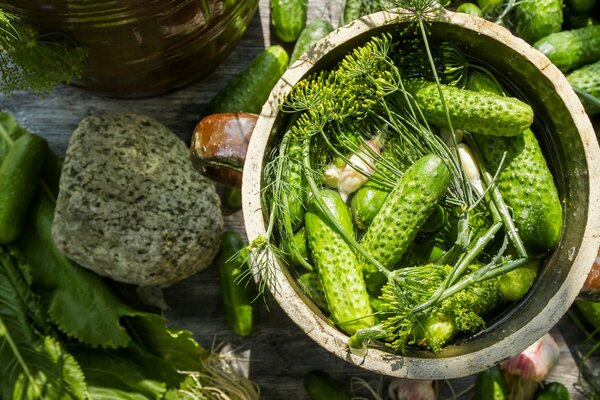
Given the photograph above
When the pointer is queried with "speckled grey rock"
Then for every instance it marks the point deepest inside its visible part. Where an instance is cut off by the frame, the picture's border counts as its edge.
(131, 207)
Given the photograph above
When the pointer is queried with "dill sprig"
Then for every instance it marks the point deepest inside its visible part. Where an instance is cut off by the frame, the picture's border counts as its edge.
(30, 60)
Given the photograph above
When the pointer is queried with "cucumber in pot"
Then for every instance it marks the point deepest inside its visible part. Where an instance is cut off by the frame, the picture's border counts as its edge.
(336, 263)
(352, 10)
(470, 8)
(288, 18)
(581, 6)
(236, 292)
(251, 88)
(536, 19)
(404, 212)
(573, 48)
(526, 184)
(587, 79)
(311, 285)
(366, 203)
(299, 239)
(490, 384)
(309, 36)
(19, 181)
(489, 6)
(515, 284)
(320, 386)
(484, 113)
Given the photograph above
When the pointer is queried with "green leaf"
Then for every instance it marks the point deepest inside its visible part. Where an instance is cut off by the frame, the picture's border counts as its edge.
(117, 374)
(77, 300)
(30, 366)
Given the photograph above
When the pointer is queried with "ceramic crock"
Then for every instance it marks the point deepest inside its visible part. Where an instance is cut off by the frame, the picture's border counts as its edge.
(570, 146)
(142, 47)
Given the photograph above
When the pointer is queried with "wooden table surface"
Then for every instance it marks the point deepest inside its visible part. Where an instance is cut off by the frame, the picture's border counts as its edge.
(278, 351)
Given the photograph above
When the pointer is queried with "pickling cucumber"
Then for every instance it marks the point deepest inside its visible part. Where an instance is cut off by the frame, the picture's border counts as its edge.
(526, 184)
(309, 36)
(366, 203)
(484, 113)
(581, 6)
(406, 209)
(288, 18)
(490, 384)
(536, 19)
(470, 8)
(337, 265)
(489, 6)
(19, 179)
(237, 295)
(573, 48)
(251, 88)
(587, 79)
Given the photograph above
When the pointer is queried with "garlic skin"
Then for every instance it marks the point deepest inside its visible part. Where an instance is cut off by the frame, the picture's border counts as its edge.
(409, 389)
(350, 177)
(536, 361)
(469, 166)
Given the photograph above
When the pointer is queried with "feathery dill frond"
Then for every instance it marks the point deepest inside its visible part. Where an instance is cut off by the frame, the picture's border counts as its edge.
(30, 60)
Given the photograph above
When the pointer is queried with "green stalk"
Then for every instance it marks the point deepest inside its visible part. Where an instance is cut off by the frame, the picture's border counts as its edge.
(5, 136)
(502, 208)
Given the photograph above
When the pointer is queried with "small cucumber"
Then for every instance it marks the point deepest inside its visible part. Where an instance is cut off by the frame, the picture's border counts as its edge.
(311, 285)
(309, 36)
(336, 263)
(365, 204)
(470, 8)
(590, 312)
(536, 19)
(251, 88)
(553, 391)
(587, 79)
(288, 18)
(352, 10)
(489, 6)
(404, 212)
(236, 292)
(581, 6)
(490, 384)
(320, 386)
(515, 284)
(572, 49)
(526, 184)
(232, 197)
(19, 180)
(484, 113)
(299, 239)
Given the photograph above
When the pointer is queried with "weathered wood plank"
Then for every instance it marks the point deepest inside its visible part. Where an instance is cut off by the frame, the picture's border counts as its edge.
(280, 354)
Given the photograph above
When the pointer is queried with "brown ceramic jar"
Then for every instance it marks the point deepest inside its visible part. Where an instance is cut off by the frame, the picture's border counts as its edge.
(142, 47)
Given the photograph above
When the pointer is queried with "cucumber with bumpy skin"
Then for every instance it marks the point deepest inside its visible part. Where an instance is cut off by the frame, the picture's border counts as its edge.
(538, 18)
(484, 113)
(406, 209)
(572, 49)
(366, 203)
(526, 183)
(587, 79)
(336, 263)
(470, 8)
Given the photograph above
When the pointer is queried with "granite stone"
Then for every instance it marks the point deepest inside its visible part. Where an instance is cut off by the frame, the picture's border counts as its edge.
(131, 207)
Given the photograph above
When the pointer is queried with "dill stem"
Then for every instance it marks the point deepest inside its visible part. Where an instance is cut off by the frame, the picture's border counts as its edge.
(345, 235)
(475, 277)
(502, 208)
(460, 268)
(444, 105)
